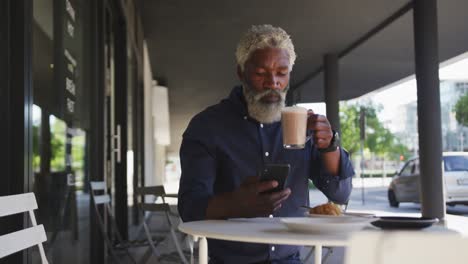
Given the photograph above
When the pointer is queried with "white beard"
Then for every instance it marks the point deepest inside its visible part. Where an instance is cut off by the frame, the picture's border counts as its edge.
(265, 113)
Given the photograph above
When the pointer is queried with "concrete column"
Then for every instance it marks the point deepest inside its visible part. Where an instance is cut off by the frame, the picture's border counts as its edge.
(331, 81)
(429, 120)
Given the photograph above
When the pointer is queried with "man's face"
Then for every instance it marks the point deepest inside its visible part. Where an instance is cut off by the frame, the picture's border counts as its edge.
(265, 79)
(267, 69)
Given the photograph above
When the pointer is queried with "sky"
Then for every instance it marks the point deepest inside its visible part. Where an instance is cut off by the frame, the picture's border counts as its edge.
(394, 95)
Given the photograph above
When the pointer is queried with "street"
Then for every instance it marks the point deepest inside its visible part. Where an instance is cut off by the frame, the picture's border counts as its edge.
(375, 199)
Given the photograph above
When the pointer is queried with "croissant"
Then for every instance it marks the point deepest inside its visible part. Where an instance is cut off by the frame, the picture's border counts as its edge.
(326, 209)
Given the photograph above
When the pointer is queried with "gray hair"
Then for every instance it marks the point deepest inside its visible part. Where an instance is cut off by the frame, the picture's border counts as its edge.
(263, 36)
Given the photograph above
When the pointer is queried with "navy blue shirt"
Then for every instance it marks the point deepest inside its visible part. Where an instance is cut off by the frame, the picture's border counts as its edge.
(222, 146)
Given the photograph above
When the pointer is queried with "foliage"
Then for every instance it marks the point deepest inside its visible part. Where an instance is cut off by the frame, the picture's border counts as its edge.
(379, 140)
(349, 123)
(57, 145)
(36, 155)
(461, 110)
(57, 148)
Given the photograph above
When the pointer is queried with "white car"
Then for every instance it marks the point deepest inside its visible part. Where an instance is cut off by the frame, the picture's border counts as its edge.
(405, 185)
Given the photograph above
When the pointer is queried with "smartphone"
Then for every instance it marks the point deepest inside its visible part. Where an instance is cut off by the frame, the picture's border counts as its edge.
(277, 172)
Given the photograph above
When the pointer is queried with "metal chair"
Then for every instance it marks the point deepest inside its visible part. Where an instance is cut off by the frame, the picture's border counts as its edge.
(26, 238)
(148, 209)
(105, 200)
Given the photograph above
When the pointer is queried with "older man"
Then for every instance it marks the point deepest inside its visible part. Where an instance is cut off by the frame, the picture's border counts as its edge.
(225, 145)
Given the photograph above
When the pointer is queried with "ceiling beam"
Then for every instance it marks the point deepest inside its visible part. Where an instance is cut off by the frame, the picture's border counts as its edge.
(382, 25)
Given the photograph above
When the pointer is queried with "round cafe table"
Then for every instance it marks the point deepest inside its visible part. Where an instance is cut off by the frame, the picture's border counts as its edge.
(257, 230)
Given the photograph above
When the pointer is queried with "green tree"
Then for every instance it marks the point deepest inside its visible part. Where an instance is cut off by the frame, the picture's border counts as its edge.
(35, 146)
(349, 123)
(379, 140)
(57, 145)
(461, 110)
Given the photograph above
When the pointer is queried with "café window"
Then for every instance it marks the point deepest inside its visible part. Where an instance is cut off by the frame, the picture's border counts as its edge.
(60, 127)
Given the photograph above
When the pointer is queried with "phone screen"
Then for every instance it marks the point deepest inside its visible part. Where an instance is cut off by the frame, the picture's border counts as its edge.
(277, 172)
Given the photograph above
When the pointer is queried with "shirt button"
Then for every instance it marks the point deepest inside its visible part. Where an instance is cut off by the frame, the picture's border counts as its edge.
(267, 154)
(261, 125)
(245, 117)
(272, 248)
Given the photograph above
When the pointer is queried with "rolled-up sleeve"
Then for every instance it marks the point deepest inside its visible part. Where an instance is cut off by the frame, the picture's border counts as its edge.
(337, 188)
(198, 175)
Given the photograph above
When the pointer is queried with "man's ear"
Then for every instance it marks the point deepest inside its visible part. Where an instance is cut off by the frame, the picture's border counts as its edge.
(240, 74)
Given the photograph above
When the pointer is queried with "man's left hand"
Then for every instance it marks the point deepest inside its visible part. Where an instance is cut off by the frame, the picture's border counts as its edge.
(322, 133)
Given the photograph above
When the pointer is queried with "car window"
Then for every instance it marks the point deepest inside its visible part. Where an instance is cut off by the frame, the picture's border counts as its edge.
(408, 169)
(456, 163)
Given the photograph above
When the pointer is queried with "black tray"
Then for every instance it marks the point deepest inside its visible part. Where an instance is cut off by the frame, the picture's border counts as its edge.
(397, 222)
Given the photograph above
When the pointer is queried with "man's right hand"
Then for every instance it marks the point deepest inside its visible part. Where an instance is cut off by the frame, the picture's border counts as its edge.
(247, 201)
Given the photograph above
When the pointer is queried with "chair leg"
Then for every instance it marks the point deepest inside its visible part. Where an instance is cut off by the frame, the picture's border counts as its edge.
(104, 234)
(174, 238)
(146, 256)
(111, 249)
(179, 249)
(324, 259)
(190, 244)
(146, 218)
(307, 258)
(150, 240)
(115, 228)
(107, 241)
(42, 253)
(329, 252)
(123, 247)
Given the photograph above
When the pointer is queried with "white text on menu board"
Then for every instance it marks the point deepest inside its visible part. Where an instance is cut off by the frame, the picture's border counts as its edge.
(71, 65)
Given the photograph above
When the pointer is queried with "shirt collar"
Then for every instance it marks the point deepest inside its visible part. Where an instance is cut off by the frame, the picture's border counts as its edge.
(236, 98)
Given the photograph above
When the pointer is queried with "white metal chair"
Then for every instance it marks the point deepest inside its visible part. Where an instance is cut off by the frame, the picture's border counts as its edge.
(26, 238)
(150, 208)
(407, 247)
(105, 200)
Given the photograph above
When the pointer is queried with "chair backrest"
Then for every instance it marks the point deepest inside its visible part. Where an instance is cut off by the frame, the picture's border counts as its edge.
(406, 247)
(101, 198)
(156, 191)
(151, 190)
(26, 238)
(97, 185)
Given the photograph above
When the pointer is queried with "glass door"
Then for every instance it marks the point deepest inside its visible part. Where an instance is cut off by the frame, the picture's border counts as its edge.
(116, 113)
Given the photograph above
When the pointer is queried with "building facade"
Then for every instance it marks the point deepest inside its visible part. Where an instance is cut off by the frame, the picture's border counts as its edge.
(454, 135)
(71, 109)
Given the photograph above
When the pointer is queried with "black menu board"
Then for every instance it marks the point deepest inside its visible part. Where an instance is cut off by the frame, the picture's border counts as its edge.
(68, 45)
(70, 59)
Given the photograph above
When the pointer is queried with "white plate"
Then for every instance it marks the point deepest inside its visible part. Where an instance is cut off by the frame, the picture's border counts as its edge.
(359, 214)
(345, 215)
(325, 225)
(326, 216)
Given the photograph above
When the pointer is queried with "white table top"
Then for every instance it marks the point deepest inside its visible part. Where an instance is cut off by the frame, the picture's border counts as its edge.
(272, 231)
(259, 230)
